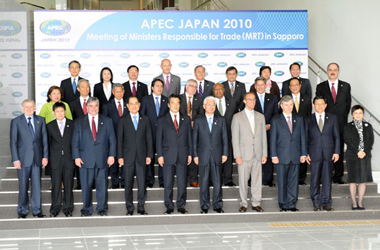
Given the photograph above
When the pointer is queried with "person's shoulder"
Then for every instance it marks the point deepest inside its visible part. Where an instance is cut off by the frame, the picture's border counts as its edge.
(141, 83)
(261, 116)
(209, 82)
(66, 80)
(343, 83)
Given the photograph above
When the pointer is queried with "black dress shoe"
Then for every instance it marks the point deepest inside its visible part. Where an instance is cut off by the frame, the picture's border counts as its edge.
(68, 214)
(283, 209)
(78, 187)
(22, 216)
(293, 209)
(230, 184)
(182, 211)
(161, 185)
(204, 211)
(150, 185)
(103, 213)
(354, 208)
(269, 184)
(85, 214)
(302, 183)
(53, 214)
(40, 215)
(361, 208)
(169, 211)
(130, 213)
(340, 182)
(210, 184)
(142, 212)
(122, 186)
(219, 210)
(115, 186)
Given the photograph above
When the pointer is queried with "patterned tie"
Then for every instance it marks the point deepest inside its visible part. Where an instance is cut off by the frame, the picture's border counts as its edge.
(74, 86)
(210, 124)
(320, 123)
(135, 122)
(134, 89)
(262, 102)
(61, 127)
(232, 89)
(221, 111)
(189, 106)
(157, 107)
(333, 92)
(93, 128)
(31, 129)
(167, 84)
(119, 109)
(289, 124)
(200, 90)
(297, 104)
(84, 107)
(175, 123)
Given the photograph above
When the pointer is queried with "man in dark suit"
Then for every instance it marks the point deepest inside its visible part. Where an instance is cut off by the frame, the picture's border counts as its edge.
(29, 150)
(69, 85)
(266, 104)
(210, 145)
(94, 148)
(172, 83)
(234, 89)
(288, 150)
(114, 109)
(226, 107)
(174, 150)
(205, 87)
(62, 164)
(323, 145)
(295, 70)
(191, 104)
(338, 96)
(135, 152)
(134, 87)
(154, 106)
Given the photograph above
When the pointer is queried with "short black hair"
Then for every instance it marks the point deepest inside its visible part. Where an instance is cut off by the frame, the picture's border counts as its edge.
(265, 67)
(230, 69)
(130, 97)
(59, 105)
(295, 63)
(356, 107)
(74, 61)
(157, 80)
(174, 96)
(319, 97)
(295, 78)
(133, 66)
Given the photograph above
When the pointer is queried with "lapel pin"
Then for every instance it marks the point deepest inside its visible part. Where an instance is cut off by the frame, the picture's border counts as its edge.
(207, 85)
(101, 123)
(294, 120)
(366, 124)
(268, 100)
(301, 100)
(163, 100)
(341, 85)
(182, 119)
(140, 118)
(327, 117)
(38, 122)
(68, 125)
(228, 104)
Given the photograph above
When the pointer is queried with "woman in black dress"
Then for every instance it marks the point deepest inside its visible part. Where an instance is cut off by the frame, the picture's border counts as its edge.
(103, 89)
(359, 137)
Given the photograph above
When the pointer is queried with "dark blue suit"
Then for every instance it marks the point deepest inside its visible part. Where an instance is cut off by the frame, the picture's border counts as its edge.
(321, 146)
(110, 110)
(175, 148)
(148, 108)
(288, 147)
(29, 152)
(94, 155)
(209, 147)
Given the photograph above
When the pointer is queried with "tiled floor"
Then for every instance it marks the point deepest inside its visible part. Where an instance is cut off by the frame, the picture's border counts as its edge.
(257, 236)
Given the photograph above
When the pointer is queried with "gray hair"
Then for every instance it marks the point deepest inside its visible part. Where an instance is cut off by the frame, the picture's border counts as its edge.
(260, 78)
(191, 80)
(28, 100)
(83, 80)
(92, 99)
(209, 98)
(286, 98)
(116, 85)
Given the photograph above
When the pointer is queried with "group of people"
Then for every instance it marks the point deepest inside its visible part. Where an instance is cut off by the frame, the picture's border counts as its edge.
(121, 131)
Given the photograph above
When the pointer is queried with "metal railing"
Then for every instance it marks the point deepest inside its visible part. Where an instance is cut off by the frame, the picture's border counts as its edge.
(211, 5)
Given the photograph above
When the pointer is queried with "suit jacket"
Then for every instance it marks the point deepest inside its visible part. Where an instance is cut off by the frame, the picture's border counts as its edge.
(99, 93)
(175, 85)
(274, 90)
(142, 90)
(148, 108)
(59, 144)
(208, 88)
(196, 107)
(351, 138)
(231, 109)
(238, 95)
(305, 87)
(67, 88)
(322, 145)
(76, 108)
(244, 142)
(342, 106)
(110, 110)
(174, 147)
(288, 147)
(93, 152)
(304, 106)
(208, 144)
(270, 106)
(23, 147)
(134, 145)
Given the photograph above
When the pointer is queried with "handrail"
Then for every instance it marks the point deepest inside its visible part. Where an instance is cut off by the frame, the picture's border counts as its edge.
(214, 2)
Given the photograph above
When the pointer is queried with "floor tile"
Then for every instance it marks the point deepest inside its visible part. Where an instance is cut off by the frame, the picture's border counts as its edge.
(104, 231)
(60, 232)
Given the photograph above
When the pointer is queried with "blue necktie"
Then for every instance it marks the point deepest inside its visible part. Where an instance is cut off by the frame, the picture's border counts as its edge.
(31, 127)
(210, 123)
(135, 121)
(157, 107)
(74, 86)
(262, 102)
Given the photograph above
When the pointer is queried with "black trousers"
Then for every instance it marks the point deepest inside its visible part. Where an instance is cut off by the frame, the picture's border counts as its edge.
(169, 171)
(321, 170)
(287, 182)
(339, 166)
(129, 174)
(215, 172)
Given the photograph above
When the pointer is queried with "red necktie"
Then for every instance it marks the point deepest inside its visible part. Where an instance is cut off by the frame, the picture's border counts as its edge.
(84, 107)
(134, 89)
(175, 123)
(333, 92)
(119, 110)
(93, 128)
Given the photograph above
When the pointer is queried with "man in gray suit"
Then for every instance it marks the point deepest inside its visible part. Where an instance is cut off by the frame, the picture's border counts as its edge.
(249, 141)
(172, 83)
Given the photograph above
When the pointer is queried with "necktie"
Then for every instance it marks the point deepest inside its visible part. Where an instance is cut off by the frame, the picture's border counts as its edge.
(31, 129)
(220, 107)
(157, 107)
(119, 109)
(134, 89)
(200, 90)
(289, 124)
(93, 128)
(210, 124)
(333, 92)
(296, 103)
(167, 84)
(262, 102)
(135, 122)
(320, 123)
(61, 127)
(189, 106)
(175, 123)
(84, 107)
(232, 89)
(74, 86)
(252, 121)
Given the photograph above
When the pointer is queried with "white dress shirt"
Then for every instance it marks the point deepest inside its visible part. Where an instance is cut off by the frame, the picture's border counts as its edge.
(81, 99)
(323, 117)
(172, 115)
(121, 103)
(31, 121)
(131, 85)
(107, 91)
(336, 82)
(96, 121)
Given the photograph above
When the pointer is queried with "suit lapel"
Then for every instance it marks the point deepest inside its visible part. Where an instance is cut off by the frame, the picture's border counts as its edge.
(245, 117)
(163, 102)
(285, 123)
(340, 87)
(205, 121)
(170, 121)
(80, 109)
(328, 90)
(87, 126)
(127, 88)
(56, 128)
(125, 110)
(24, 123)
(228, 90)
(100, 126)
(37, 126)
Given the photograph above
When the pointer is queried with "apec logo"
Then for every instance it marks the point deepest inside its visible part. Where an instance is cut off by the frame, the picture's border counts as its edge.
(125, 55)
(16, 75)
(278, 54)
(85, 55)
(124, 74)
(64, 65)
(144, 65)
(86, 74)
(163, 55)
(183, 64)
(260, 64)
(299, 62)
(279, 73)
(17, 113)
(16, 94)
(55, 27)
(202, 55)
(16, 55)
(241, 73)
(45, 55)
(45, 75)
(222, 64)
(240, 54)
(106, 64)
(44, 94)
(9, 28)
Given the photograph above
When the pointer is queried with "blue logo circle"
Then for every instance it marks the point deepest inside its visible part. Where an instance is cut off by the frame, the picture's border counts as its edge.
(299, 62)
(279, 73)
(241, 73)
(222, 64)
(17, 94)
(105, 64)
(16, 55)
(240, 54)
(1, 104)
(163, 55)
(64, 65)
(278, 54)
(45, 75)
(45, 55)
(17, 113)
(85, 55)
(183, 64)
(260, 64)
(86, 74)
(124, 74)
(17, 75)
(125, 55)
(1, 85)
(9, 28)
(44, 94)
(202, 55)
(144, 65)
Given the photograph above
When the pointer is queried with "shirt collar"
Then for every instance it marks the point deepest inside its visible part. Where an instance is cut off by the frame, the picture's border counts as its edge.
(286, 116)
